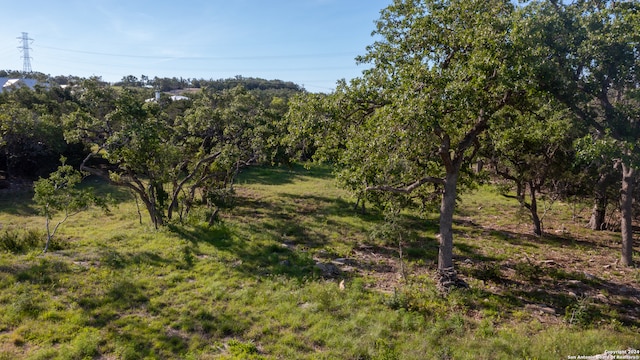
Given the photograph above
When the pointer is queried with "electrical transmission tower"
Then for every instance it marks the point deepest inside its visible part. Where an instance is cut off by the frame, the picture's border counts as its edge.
(26, 59)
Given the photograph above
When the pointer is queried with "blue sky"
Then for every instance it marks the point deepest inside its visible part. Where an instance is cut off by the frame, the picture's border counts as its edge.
(310, 42)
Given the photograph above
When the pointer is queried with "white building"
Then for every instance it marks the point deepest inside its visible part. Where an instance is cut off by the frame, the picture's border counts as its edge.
(7, 84)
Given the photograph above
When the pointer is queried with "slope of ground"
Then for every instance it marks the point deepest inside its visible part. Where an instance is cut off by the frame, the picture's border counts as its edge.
(293, 271)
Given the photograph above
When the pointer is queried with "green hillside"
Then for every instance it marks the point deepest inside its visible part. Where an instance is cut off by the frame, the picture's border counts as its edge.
(293, 271)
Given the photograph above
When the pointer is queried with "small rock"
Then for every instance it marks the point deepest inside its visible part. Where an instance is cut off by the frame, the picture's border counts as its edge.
(547, 310)
(542, 309)
(601, 297)
(328, 270)
(305, 305)
(607, 266)
(341, 285)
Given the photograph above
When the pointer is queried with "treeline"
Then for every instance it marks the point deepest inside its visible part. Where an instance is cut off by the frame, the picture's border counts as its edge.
(44, 79)
(32, 134)
(165, 83)
(542, 97)
(174, 83)
(171, 154)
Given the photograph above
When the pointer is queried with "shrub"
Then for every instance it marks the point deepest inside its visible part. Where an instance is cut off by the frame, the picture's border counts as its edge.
(582, 312)
(20, 241)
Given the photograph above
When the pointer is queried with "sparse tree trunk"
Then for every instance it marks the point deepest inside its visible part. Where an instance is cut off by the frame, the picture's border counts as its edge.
(626, 202)
(360, 203)
(47, 223)
(135, 197)
(533, 208)
(599, 212)
(151, 208)
(447, 208)
(149, 203)
(479, 166)
(173, 205)
(214, 216)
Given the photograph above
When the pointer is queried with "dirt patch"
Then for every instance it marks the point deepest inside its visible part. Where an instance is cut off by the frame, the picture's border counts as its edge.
(573, 279)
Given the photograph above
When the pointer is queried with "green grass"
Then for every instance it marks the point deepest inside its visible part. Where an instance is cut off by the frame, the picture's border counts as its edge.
(249, 287)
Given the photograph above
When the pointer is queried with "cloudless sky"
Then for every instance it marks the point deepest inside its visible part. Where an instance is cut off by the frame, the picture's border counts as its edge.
(309, 42)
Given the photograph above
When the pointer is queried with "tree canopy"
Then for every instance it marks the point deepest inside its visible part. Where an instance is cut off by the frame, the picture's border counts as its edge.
(441, 74)
(589, 59)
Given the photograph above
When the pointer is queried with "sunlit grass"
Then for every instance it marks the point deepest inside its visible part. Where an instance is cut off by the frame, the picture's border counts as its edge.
(249, 288)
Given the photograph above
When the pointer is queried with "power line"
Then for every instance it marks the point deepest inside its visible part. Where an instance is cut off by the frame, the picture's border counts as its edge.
(26, 59)
(157, 57)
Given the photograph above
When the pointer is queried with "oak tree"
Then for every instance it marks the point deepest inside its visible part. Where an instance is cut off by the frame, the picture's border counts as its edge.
(589, 55)
(441, 71)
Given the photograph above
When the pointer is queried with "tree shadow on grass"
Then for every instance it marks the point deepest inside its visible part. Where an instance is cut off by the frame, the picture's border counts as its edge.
(568, 240)
(471, 252)
(571, 296)
(262, 175)
(43, 272)
(254, 257)
(115, 259)
(18, 203)
(527, 240)
(296, 218)
(135, 340)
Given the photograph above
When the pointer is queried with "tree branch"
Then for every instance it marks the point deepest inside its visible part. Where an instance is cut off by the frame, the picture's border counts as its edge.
(407, 189)
(520, 200)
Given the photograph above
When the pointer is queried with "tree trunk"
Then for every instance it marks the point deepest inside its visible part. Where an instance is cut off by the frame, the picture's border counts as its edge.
(626, 202)
(533, 208)
(447, 208)
(174, 200)
(46, 245)
(156, 218)
(599, 212)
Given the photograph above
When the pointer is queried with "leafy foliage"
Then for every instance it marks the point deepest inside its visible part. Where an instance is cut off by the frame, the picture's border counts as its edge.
(532, 152)
(168, 159)
(410, 126)
(588, 59)
(60, 193)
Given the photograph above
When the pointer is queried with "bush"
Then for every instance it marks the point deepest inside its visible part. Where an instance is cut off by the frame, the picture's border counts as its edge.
(582, 312)
(20, 241)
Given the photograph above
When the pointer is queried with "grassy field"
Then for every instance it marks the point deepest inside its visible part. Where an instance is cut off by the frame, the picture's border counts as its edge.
(292, 271)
